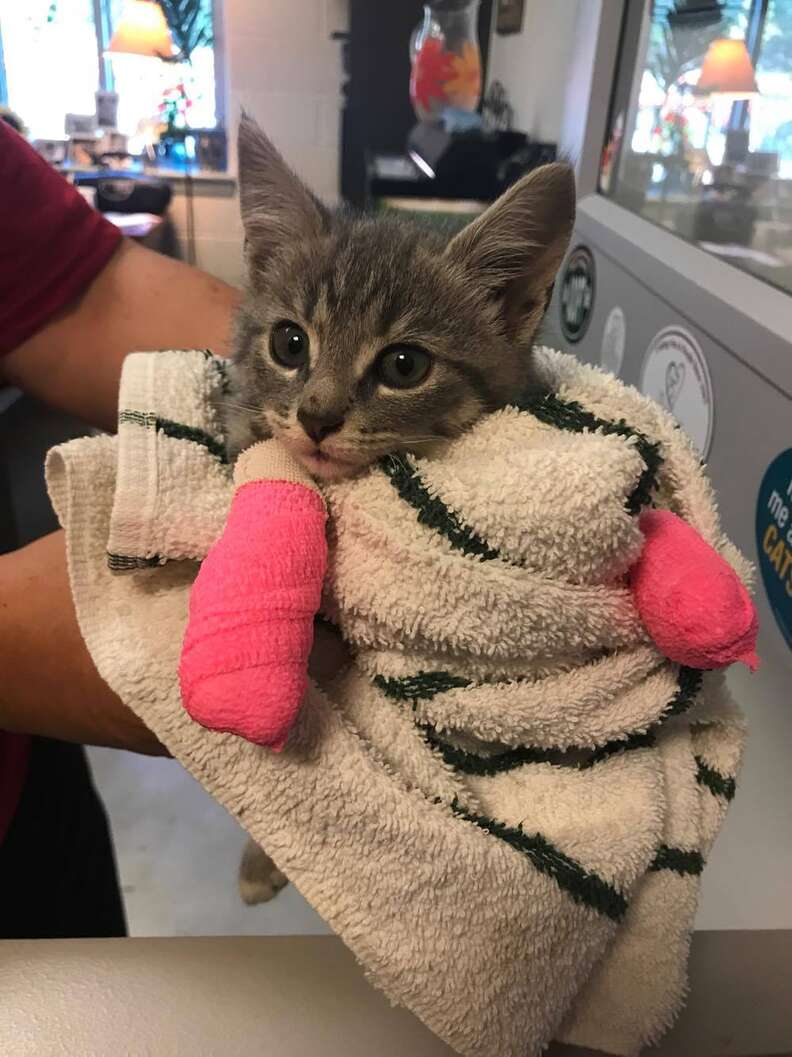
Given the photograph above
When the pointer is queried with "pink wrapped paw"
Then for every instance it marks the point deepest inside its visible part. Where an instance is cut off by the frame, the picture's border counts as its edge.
(244, 660)
(690, 600)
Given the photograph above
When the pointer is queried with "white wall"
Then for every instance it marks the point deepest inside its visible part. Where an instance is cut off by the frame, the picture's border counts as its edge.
(558, 74)
(534, 65)
(282, 67)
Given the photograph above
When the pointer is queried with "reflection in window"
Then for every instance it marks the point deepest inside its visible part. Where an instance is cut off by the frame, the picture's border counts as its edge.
(701, 142)
(143, 84)
(53, 57)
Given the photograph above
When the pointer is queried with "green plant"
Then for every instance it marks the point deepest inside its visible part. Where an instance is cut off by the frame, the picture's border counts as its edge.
(190, 23)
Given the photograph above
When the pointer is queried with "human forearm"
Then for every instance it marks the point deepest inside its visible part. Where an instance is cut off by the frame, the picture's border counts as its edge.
(48, 683)
(141, 300)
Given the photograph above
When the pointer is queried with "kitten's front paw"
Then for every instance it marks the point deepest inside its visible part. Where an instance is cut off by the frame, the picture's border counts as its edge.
(260, 891)
(259, 878)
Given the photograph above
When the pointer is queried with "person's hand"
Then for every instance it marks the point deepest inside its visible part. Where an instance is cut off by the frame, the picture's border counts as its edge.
(49, 684)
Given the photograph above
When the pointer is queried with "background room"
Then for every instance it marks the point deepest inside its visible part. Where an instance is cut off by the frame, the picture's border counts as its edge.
(677, 117)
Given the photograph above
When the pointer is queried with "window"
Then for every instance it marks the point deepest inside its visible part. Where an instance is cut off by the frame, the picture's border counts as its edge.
(53, 60)
(701, 129)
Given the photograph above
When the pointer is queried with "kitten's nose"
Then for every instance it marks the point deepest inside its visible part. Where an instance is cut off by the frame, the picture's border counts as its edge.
(319, 426)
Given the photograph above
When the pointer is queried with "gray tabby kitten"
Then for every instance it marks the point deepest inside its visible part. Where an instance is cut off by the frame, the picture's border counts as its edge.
(365, 335)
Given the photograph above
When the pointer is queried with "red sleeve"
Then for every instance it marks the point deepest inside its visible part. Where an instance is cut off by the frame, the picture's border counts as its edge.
(52, 243)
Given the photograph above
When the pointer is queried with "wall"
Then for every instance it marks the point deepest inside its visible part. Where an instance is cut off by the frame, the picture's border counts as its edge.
(558, 74)
(534, 65)
(281, 66)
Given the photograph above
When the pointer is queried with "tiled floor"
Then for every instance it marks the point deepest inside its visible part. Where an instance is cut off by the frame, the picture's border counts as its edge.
(178, 853)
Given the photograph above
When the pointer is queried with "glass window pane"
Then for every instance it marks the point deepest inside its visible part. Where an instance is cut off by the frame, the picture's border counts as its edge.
(145, 84)
(771, 111)
(701, 143)
(51, 61)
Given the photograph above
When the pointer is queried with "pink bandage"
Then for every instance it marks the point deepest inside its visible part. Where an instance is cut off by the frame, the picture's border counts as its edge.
(244, 661)
(690, 600)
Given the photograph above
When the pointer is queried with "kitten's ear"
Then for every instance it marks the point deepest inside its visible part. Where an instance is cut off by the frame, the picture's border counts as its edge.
(515, 248)
(277, 208)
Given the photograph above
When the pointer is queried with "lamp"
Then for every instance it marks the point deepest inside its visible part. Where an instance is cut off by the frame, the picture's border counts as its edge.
(142, 31)
(727, 70)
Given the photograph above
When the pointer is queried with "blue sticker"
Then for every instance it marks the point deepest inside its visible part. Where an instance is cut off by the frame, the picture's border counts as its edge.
(774, 539)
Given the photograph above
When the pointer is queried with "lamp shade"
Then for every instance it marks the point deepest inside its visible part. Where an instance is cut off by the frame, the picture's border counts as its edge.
(142, 31)
(727, 70)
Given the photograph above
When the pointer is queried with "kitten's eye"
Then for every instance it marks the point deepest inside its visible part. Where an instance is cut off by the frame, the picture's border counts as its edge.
(289, 345)
(403, 366)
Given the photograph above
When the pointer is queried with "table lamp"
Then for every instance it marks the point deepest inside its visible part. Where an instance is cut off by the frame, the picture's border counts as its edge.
(727, 70)
(142, 30)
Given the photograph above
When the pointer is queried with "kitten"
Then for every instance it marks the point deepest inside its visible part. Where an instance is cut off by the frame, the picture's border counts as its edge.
(364, 335)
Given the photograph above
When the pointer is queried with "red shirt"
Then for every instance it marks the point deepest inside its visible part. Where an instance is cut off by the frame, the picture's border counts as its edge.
(52, 245)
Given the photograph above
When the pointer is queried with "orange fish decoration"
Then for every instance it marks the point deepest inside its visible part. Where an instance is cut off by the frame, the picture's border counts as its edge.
(431, 69)
(463, 89)
(440, 75)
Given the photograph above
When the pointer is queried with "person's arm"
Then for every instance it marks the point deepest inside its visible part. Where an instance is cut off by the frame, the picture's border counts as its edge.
(49, 684)
(139, 301)
(75, 298)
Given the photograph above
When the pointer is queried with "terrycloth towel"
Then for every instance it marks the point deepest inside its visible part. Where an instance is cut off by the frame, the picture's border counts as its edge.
(504, 804)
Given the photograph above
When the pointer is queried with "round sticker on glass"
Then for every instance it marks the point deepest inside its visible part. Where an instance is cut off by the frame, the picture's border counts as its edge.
(774, 539)
(577, 294)
(676, 375)
(614, 337)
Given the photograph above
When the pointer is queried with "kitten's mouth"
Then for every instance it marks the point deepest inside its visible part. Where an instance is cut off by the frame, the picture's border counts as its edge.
(326, 466)
(325, 463)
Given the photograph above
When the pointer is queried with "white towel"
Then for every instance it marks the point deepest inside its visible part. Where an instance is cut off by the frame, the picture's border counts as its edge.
(504, 805)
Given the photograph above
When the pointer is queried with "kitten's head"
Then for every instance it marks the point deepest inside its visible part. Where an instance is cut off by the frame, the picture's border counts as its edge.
(363, 335)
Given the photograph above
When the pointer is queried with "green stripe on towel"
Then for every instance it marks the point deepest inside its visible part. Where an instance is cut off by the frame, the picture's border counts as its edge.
(486, 766)
(422, 686)
(497, 763)
(431, 510)
(124, 563)
(177, 430)
(565, 415)
(425, 685)
(639, 740)
(569, 415)
(677, 859)
(581, 884)
(689, 684)
(717, 783)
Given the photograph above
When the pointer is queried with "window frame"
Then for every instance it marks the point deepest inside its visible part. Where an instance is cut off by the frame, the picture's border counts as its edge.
(748, 316)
